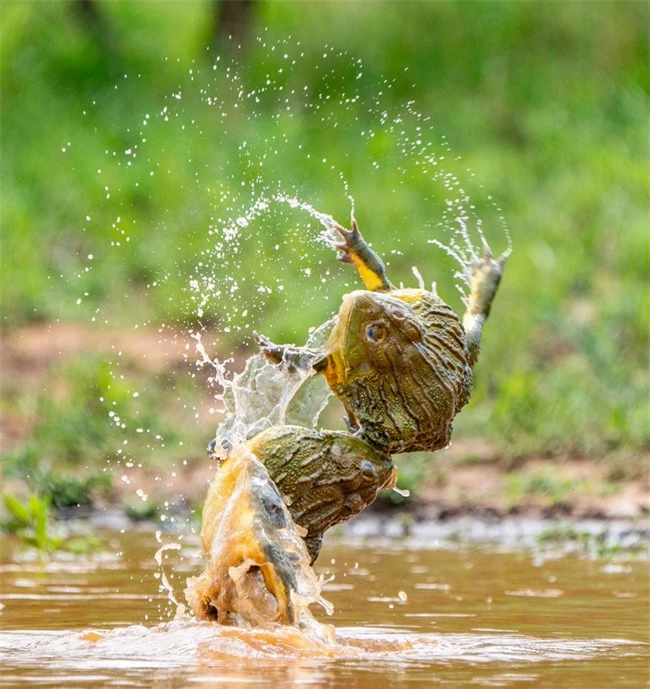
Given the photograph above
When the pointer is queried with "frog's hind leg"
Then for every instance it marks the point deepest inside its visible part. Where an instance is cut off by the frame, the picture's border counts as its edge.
(485, 276)
(356, 251)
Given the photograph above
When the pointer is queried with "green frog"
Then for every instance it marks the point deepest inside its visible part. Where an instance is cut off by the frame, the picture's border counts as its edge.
(400, 361)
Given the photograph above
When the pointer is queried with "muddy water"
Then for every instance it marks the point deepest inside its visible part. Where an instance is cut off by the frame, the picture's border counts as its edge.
(407, 613)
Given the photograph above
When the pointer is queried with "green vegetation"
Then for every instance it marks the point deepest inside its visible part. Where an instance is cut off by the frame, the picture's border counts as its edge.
(142, 511)
(30, 521)
(545, 102)
(544, 485)
(599, 545)
(75, 427)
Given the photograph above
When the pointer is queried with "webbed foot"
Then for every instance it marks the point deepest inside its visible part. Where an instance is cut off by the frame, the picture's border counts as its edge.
(352, 242)
(354, 250)
(289, 357)
(484, 278)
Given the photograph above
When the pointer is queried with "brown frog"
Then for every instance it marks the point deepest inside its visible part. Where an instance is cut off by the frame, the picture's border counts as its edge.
(401, 363)
(257, 569)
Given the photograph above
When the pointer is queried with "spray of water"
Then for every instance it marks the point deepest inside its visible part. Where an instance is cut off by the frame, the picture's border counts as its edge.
(264, 395)
(258, 245)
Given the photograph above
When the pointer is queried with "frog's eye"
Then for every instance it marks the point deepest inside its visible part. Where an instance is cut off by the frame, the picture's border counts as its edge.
(376, 332)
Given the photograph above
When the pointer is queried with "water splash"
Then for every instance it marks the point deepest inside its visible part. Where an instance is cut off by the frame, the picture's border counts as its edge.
(462, 249)
(232, 148)
(165, 585)
(177, 643)
(264, 395)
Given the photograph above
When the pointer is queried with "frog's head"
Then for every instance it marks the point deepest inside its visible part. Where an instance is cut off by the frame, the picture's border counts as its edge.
(376, 336)
(374, 333)
(397, 363)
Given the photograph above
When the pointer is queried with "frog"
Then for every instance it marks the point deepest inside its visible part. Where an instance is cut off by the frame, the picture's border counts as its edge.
(400, 361)
(257, 571)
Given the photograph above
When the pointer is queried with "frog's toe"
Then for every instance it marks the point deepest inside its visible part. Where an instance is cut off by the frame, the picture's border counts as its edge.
(344, 257)
(351, 424)
(345, 247)
(486, 267)
(262, 340)
(488, 256)
(487, 252)
(274, 353)
(504, 256)
(346, 234)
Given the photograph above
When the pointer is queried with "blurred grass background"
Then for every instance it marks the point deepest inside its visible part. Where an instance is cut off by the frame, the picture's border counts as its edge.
(546, 102)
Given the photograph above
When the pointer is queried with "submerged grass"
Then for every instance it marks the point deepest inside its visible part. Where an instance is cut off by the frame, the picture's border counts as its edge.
(547, 103)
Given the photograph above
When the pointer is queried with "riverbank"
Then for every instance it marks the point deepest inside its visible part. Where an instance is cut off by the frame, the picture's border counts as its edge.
(76, 400)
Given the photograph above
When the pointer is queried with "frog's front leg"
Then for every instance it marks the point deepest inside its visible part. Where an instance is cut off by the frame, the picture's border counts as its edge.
(293, 359)
(485, 276)
(355, 250)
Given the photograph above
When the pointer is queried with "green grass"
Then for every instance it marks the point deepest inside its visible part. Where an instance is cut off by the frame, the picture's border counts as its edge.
(563, 536)
(546, 103)
(30, 522)
(545, 486)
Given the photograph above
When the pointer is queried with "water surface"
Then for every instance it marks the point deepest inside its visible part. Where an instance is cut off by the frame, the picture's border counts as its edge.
(407, 613)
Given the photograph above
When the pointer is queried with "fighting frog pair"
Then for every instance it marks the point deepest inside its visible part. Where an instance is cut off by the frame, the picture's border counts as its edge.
(401, 363)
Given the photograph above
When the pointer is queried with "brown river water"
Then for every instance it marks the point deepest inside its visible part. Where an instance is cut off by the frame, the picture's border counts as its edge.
(412, 612)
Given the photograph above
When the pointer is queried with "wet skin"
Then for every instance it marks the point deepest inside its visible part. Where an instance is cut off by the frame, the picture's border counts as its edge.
(401, 363)
(257, 568)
